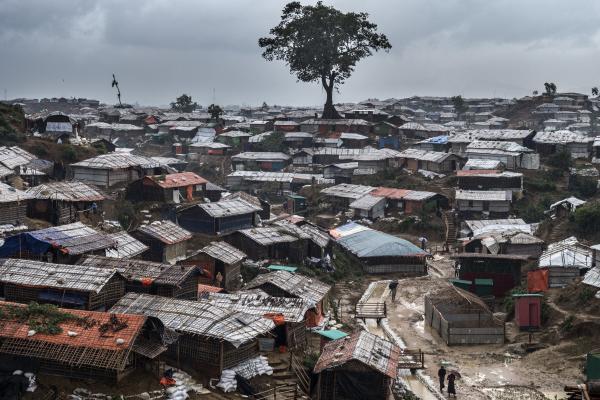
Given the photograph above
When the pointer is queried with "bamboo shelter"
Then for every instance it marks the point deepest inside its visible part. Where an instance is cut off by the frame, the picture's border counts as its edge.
(167, 280)
(211, 338)
(71, 286)
(84, 344)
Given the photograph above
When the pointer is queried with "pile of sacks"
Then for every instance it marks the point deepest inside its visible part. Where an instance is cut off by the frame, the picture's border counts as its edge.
(183, 384)
(29, 375)
(247, 369)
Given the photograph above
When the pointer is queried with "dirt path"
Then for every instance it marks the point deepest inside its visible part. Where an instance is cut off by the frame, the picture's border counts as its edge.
(489, 371)
(581, 316)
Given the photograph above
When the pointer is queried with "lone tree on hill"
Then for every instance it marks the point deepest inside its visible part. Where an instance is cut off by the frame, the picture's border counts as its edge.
(322, 44)
(550, 88)
(215, 112)
(184, 103)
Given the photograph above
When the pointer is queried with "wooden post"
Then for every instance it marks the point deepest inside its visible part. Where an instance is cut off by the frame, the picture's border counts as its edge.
(221, 358)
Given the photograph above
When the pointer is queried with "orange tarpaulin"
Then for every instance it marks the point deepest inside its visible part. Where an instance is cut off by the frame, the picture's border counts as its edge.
(537, 281)
(279, 319)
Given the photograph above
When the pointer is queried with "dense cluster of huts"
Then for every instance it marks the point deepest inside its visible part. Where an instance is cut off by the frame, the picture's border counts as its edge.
(174, 285)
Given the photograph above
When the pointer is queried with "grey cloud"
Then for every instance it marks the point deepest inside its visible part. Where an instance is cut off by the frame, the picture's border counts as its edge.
(161, 48)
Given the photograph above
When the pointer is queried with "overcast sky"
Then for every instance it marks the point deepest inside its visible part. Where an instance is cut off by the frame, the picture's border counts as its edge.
(161, 48)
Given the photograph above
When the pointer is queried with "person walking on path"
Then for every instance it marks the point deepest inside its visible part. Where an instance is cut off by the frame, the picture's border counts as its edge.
(451, 388)
(423, 241)
(393, 287)
(442, 376)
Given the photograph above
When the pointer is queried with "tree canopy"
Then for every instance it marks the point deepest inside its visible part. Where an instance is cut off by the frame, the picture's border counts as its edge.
(322, 44)
(215, 111)
(550, 87)
(459, 104)
(184, 103)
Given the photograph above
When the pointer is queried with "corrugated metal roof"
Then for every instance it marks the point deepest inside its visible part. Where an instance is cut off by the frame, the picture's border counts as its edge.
(366, 202)
(424, 155)
(229, 207)
(61, 276)
(126, 246)
(259, 303)
(372, 243)
(592, 277)
(224, 252)
(562, 136)
(14, 156)
(365, 347)
(165, 231)
(196, 318)
(140, 270)
(346, 190)
(481, 164)
(260, 156)
(9, 194)
(267, 235)
(117, 161)
(483, 195)
(75, 238)
(304, 287)
(70, 191)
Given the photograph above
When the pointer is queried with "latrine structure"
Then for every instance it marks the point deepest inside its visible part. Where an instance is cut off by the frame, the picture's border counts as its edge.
(211, 338)
(70, 286)
(460, 317)
(177, 281)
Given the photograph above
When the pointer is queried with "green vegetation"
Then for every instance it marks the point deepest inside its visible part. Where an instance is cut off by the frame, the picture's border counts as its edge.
(42, 318)
(68, 153)
(459, 104)
(273, 142)
(567, 324)
(532, 211)
(12, 122)
(585, 295)
(550, 88)
(184, 104)
(125, 214)
(509, 301)
(587, 218)
(310, 360)
(322, 44)
(215, 112)
(561, 161)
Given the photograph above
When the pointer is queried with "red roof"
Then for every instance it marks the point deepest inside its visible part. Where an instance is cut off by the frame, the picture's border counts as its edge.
(477, 172)
(208, 289)
(390, 193)
(90, 337)
(181, 179)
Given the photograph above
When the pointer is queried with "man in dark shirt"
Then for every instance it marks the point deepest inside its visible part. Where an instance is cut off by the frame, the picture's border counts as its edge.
(393, 287)
(442, 376)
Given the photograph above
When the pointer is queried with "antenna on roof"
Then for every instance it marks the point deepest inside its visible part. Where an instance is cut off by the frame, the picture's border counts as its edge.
(116, 84)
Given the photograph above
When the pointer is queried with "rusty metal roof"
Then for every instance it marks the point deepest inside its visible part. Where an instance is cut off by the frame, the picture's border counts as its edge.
(365, 347)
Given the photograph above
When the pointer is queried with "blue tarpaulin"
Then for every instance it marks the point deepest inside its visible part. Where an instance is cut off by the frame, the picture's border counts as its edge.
(24, 242)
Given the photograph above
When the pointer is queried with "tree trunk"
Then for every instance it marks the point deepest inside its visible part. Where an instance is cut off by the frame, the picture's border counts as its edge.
(329, 111)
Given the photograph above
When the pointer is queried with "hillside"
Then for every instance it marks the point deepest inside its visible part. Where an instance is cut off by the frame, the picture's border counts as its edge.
(12, 124)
